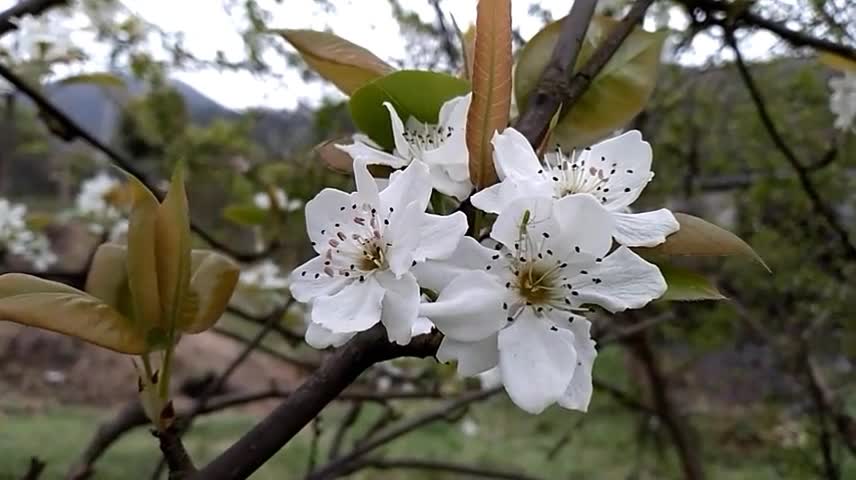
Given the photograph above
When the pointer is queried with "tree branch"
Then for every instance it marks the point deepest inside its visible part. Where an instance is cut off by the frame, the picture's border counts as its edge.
(177, 459)
(547, 96)
(447, 467)
(27, 7)
(335, 374)
(793, 37)
(343, 463)
(35, 469)
(802, 172)
(69, 130)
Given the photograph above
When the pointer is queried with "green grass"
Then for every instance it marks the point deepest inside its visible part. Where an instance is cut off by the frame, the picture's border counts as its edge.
(602, 444)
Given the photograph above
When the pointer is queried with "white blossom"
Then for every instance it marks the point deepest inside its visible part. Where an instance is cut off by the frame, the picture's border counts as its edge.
(614, 172)
(265, 275)
(442, 147)
(44, 36)
(842, 101)
(518, 306)
(263, 200)
(367, 242)
(17, 239)
(93, 202)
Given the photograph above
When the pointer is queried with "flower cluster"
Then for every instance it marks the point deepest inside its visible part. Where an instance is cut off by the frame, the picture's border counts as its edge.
(512, 304)
(98, 202)
(17, 239)
(44, 36)
(842, 102)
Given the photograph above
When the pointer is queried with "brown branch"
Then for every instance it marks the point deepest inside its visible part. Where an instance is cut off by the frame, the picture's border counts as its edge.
(747, 17)
(307, 365)
(35, 469)
(831, 468)
(350, 418)
(27, 7)
(69, 130)
(802, 172)
(177, 459)
(345, 462)
(337, 372)
(687, 450)
(447, 467)
(547, 96)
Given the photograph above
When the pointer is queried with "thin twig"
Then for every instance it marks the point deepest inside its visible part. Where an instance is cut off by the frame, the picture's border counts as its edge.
(448, 467)
(27, 7)
(347, 422)
(802, 172)
(34, 471)
(177, 459)
(444, 411)
(71, 130)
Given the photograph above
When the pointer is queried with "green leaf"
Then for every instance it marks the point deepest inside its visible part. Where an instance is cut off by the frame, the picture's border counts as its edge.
(142, 270)
(245, 214)
(413, 93)
(617, 94)
(97, 79)
(108, 278)
(686, 285)
(212, 282)
(173, 250)
(698, 237)
(39, 303)
(346, 65)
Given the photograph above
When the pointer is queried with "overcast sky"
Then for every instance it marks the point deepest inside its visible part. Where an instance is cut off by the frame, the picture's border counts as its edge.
(208, 28)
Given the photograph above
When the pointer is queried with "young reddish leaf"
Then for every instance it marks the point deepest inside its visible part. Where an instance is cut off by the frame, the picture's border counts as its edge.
(346, 65)
(491, 87)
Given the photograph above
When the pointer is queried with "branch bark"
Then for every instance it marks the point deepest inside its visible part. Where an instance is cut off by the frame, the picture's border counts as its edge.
(803, 173)
(554, 82)
(338, 371)
(27, 7)
(447, 467)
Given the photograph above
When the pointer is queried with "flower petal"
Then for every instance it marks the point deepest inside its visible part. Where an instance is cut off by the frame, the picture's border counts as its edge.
(443, 183)
(472, 357)
(367, 190)
(402, 236)
(437, 274)
(627, 160)
(400, 306)
(585, 224)
(469, 308)
(578, 394)
(439, 235)
(647, 229)
(321, 338)
(495, 198)
(323, 211)
(622, 280)
(537, 361)
(402, 146)
(513, 156)
(355, 308)
(413, 184)
(309, 281)
(453, 113)
(372, 155)
(536, 212)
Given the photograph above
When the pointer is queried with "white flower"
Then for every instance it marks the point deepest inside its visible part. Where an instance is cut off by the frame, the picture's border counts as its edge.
(367, 242)
(265, 275)
(614, 172)
(442, 147)
(45, 36)
(17, 239)
(842, 102)
(262, 200)
(93, 202)
(518, 305)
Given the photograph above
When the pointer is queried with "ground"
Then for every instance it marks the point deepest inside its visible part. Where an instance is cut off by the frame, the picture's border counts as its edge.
(57, 390)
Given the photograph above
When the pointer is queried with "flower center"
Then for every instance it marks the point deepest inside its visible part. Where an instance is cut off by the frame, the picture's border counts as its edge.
(578, 174)
(424, 137)
(356, 245)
